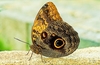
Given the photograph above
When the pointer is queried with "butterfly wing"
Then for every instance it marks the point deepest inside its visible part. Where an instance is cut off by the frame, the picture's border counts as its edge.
(49, 22)
(47, 14)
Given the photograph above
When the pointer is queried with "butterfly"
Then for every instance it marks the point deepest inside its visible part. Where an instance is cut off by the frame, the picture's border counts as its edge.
(51, 36)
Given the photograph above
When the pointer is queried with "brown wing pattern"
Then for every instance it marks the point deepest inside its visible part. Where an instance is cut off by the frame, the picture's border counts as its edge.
(61, 40)
(48, 13)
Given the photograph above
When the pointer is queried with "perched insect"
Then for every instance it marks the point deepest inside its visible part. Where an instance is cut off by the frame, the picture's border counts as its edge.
(51, 36)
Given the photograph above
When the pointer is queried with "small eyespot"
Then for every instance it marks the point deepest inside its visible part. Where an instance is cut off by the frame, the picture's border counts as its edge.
(45, 6)
(43, 35)
(53, 34)
(59, 43)
(46, 11)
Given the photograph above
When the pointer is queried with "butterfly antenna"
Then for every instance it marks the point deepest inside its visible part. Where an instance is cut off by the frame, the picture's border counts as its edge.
(27, 44)
(22, 41)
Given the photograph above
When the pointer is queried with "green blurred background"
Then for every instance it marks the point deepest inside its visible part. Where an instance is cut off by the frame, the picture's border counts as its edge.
(16, 19)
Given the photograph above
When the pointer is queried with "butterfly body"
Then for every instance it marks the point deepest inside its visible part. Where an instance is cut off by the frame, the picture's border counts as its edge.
(51, 36)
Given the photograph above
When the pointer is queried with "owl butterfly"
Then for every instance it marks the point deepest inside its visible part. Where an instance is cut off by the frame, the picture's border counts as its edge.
(51, 36)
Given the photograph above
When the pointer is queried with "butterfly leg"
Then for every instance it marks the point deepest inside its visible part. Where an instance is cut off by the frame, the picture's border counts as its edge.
(31, 56)
(28, 52)
(42, 58)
